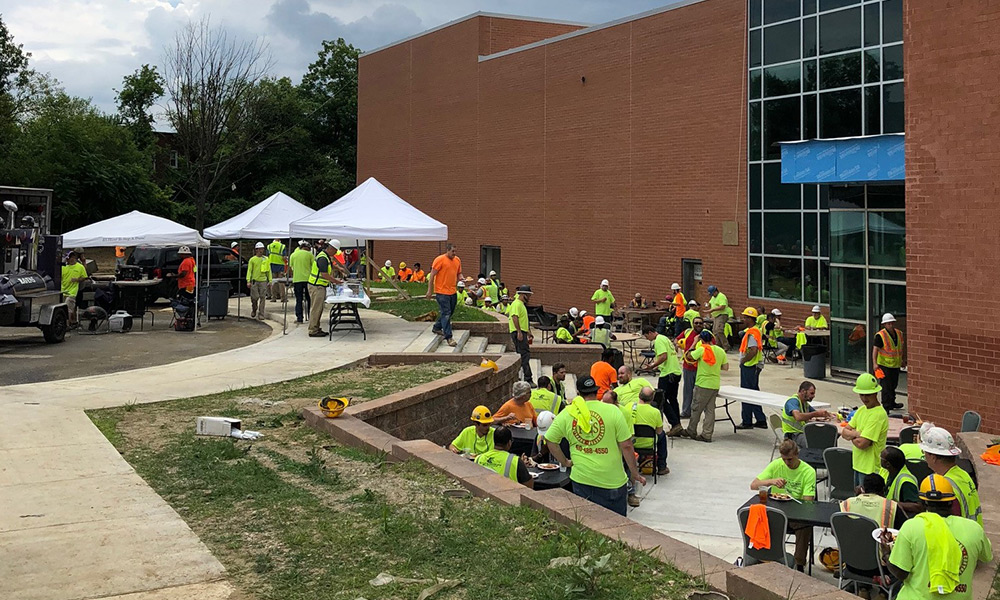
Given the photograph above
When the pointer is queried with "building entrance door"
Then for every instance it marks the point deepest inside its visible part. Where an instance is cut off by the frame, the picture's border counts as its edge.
(489, 260)
(691, 284)
(887, 297)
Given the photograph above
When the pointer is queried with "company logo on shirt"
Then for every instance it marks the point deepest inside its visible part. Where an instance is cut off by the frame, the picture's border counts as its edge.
(596, 433)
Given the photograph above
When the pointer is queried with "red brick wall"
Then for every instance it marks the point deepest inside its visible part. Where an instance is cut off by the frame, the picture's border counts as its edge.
(952, 53)
(497, 34)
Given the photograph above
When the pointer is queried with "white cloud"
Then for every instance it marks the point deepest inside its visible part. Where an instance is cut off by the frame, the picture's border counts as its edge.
(89, 45)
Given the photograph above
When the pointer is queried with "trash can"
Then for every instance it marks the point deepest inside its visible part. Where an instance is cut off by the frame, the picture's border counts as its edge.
(814, 361)
(218, 299)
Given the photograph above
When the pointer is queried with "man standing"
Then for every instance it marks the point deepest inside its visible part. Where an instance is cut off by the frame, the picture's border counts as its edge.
(517, 321)
(187, 273)
(278, 259)
(750, 366)
(670, 376)
(688, 341)
(711, 361)
(301, 262)
(679, 307)
(629, 386)
(719, 312)
(258, 277)
(689, 316)
(797, 412)
(867, 429)
(119, 256)
(604, 301)
(320, 278)
(73, 273)
(492, 286)
(446, 270)
(941, 453)
(887, 356)
(599, 439)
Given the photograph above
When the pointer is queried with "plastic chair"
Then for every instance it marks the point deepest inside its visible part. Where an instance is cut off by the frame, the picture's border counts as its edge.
(908, 434)
(971, 421)
(821, 435)
(859, 553)
(840, 469)
(777, 523)
(779, 436)
(919, 469)
(647, 432)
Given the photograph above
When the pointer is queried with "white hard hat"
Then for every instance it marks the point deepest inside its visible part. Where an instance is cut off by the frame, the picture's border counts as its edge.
(925, 427)
(544, 421)
(692, 302)
(335, 243)
(888, 318)
(583, 313)
(604, 282)
(573, 312)
(181, 250)
(234, 244)
(816, 308)
(482, 280)
(599, 320)
(492, 273)
(303, 243)
(469, 301)
(461, 284)
(675, 286)
(938, 441)
(487, 299)
(776, 312)
(259, 246)
(388, 263)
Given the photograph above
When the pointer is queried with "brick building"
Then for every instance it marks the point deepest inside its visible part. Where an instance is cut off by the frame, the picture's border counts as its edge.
(659, 148)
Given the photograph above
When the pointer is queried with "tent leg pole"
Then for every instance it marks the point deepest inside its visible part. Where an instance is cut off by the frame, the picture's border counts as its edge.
(284, 296)
(239, 295)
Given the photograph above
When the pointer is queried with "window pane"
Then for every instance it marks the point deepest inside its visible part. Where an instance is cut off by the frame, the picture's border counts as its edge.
(754, 185)
(810, 280)
(810, 241)
(824, 234)
(847, 237)
(783, 233)
(779, 195)
(846, 196)
(808, 7)
(892, 63)
(809, 76)
(840, 114)
(871, 66)
(783, 278)
(781, 43)
(781, 124)
(872, 28)
(840, 71)
(755, 13)
(781, 81)
(755, 48)
(832, 4)
(886, 196)
(892, 108)
(824, 282)
(892, 21)
(755, 233)
(887, 274)
(840, 31)
(756, 276)
(849, 345)
(887, 239)
(754, 124)
(873, 111)
(809, 117)
(809, 37)
(780, 10)
(809, 197)
(847, 293)
(755, 84)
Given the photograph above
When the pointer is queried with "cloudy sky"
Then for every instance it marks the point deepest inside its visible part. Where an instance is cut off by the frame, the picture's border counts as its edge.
(89, 45)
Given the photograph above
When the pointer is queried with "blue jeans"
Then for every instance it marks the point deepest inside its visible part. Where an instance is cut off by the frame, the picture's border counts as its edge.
(749, 380)
(446, 307)
(611, 499)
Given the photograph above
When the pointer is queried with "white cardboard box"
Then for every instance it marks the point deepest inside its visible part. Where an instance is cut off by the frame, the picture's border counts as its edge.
(217, 426)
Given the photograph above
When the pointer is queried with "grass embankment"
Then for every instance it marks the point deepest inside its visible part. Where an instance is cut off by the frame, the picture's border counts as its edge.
(296, 516)
(418, 307)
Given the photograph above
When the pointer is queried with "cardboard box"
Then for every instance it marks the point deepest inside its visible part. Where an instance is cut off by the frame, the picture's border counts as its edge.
(217, 426)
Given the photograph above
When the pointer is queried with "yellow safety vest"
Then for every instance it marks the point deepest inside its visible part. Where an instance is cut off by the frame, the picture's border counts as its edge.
(788, 422)
(602, 336)
(314, 277)
(890, 354)
(275, 251)
(896, 487)
(879, 509)
(500, 461)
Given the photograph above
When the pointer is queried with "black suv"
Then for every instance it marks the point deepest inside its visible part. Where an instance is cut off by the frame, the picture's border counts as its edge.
(157, 261)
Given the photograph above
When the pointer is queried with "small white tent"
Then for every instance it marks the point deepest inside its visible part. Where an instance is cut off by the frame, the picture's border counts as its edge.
(267, 219)
(133, 229)
(372, 212)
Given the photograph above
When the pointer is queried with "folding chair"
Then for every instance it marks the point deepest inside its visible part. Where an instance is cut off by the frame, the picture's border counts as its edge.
(971, 421)
(821, 435)
(908, 434)
(859, 553)
(840, 470)
(919, 469)
(779, 436)
(777, 524)
(645, 454)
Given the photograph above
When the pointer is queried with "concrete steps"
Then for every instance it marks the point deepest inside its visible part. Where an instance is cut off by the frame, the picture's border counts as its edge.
(425, 342)
(460, 337)
(492, 349)
(476, 345)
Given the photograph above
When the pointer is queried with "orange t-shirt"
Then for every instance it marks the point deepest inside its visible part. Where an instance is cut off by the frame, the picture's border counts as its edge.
(419, 276)
(523, 413)
(404, 274)
(446, 278)
(186, 281)
(604, 376)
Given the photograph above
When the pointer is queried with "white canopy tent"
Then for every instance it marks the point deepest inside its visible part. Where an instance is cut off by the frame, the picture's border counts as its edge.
(133, 229)
(267, 219)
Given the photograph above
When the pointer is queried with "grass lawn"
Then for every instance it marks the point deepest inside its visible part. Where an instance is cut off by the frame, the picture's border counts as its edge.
(297, 516)
(418, 306)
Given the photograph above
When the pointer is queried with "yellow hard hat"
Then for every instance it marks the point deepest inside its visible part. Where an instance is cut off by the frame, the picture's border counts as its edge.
(750, 312)
(488, 364)
(830, 558)
(333, 407)
(866, 384)
(402, 265)
(481, 414)
(936, 488)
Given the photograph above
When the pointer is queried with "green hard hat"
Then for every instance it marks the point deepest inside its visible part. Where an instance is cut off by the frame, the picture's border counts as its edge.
(866, 384)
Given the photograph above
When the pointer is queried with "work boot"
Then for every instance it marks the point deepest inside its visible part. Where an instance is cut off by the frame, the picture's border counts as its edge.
(253, 315)
(633, 500)
(452, 343)
(664, 471)
(898, 405)
(318, 334)
(703, 438)
(675, 431)
(745, 426)
(760, 425)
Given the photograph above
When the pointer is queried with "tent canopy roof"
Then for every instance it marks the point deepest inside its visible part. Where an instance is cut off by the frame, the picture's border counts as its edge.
(133, 229)
(267, 219)
(371, 211)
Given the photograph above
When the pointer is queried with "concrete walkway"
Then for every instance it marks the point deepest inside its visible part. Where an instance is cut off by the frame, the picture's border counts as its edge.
(78, 522)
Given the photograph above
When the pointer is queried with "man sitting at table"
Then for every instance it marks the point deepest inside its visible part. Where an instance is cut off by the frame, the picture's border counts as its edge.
(816, 320)
(872, 503)
(629, 386)
(903, 485)
(941, 454)
(563, 334)
(791, 476)
(503, 462)
(544, 397)
(868, 428)
(601, 333)
(644, 413)
(478, 437)
(518, 409)
(604, 374)
(638, 302)
(797, 412)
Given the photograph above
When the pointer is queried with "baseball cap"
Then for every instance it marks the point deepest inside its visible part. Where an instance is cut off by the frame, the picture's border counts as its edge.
(585, 384)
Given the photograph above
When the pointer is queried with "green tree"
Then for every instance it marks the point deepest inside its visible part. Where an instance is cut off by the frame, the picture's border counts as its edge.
(138, 95)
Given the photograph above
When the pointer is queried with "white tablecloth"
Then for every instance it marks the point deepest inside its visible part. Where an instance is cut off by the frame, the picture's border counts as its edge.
(333, 298)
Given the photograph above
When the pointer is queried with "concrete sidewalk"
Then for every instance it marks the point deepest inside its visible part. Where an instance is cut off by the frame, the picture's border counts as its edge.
(78, 522)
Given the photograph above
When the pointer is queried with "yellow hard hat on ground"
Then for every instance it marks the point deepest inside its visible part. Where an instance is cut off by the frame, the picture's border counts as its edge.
(488, 364)
(333, 407)
(830, 558)
(936, 488)
(866, 384)
(750, 312)
(481, 414)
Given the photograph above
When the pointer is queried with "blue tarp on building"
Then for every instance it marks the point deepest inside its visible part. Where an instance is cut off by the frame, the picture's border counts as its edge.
(845, 160)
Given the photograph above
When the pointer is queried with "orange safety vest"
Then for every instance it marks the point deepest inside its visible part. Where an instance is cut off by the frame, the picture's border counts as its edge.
(891, 354)
(680, 305)
(756, 335)
(119, 251)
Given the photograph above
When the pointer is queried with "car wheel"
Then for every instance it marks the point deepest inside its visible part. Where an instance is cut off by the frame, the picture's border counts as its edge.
(55, 332)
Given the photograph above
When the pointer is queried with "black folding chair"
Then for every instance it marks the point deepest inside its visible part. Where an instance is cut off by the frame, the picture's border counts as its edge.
(908, 434)
(777, 523)
(859, 553)
(840, 470)
(821, 435)
(647, 454)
